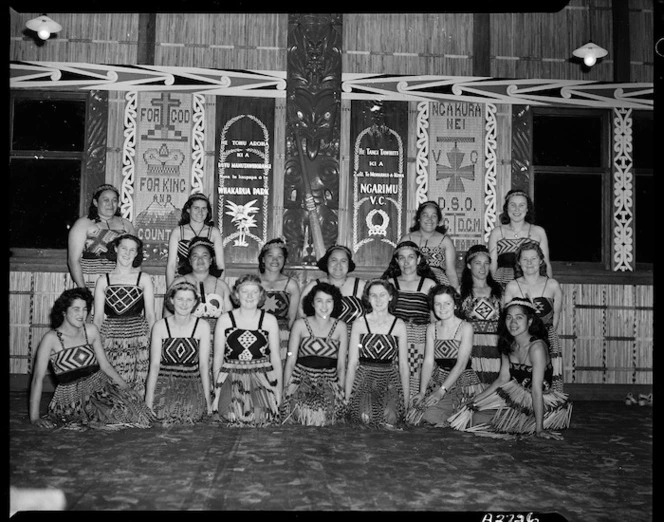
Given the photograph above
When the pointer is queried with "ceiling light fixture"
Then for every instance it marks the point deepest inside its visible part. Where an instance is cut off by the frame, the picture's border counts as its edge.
(43, 26)
(590, 53)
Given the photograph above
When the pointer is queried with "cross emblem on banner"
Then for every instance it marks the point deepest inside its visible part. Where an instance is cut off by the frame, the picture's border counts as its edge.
(165, 129)
(455, 171)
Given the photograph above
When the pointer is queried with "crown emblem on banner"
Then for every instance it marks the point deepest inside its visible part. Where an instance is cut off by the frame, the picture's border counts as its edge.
(163, 162)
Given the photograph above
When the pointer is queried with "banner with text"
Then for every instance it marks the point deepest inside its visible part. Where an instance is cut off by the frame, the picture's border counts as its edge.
(245, 129)
(379, 134)
(163, 162)
(456, 173)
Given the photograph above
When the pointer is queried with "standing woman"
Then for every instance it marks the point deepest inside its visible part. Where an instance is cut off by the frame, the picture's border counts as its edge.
(517, 227)
(337, 263)
(90, 236)
(315, 368)
(429, 233)
(247, 365)
(521, 400)
(196, 221)
(89, 392)
(376, 385)
(481, 298)
(448, 379)
(412, 278)
(124, 300)
(532, 282)
(178, 387)
(282, 291)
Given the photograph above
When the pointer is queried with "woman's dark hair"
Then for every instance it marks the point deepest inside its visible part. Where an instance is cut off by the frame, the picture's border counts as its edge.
(537, 329)
(528, 245)
(423, 268)
(322, 262)
(176, 287)
(112, 252)
(186, 268)
(467, 276)
(186, 217)
(418, 213)
(272, 243)
(387, 285)
(62, 303)
(244, 279)
(530, 212)
(326, 288)
(93, 211)
(440, 289)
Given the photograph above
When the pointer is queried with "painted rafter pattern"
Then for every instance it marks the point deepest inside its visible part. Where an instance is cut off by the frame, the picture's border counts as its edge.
(198, 145)
(128, 155)
(569, 93)
(623, 201)
(422, 158)
(66, 75)
(490, 163)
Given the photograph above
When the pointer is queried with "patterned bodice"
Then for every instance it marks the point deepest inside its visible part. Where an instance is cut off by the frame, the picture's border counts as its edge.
(482, 312)
(506, 248)
(319, 346)
(97, 241)
(351, 305)
(446, 351)
(183, 245)
(523, 374)
(123, 300)
(74, 362)
(277, 302)
(378, 347)
(412, 306)
(544, 305)
(179, 351)
(435, 255)
(247, 345)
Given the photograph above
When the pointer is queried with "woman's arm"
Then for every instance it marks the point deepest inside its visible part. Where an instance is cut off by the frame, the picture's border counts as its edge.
(544, 245)
(293, 289)
(158, 331)
(511, 291)
(203, 331)
(38, 372)
(219, 345)
(99, 298)
(557, 303)
(353, 356)
(104, 365)
(129, 226)
(148, 299)
(172, 261)
(493, 250)
(450, 262)
(272, 326)
(404, 372)
(427, 363)
(227, 305)
(75, 246)
(503, 378)
(218, 243)
(538, 357)
(342, 333)
(294, 339)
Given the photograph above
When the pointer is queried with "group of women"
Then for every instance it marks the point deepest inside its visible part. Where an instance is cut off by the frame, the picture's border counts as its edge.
(412, 347)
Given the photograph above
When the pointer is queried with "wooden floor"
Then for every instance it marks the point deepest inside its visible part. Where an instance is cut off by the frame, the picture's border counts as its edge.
(602, 470)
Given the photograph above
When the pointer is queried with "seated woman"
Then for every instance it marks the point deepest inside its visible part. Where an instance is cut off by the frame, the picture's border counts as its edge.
(481, 301)
(247, 365)
(448, 379)
(90, 236)
(196, 221)
(90, 393)
(521, 400)
(377, 380)
(315, 368)
(282, 292)
(178, 385)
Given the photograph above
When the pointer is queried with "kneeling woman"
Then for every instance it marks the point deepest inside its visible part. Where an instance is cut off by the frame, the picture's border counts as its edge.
(447, 379)
(90, 392)
(247, 364)
(377, 376)
(521, 400)
(315, 368)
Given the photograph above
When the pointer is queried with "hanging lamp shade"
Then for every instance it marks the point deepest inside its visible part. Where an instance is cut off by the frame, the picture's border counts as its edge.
(43, 26)
(589, 53)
